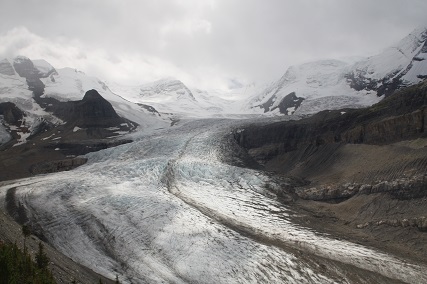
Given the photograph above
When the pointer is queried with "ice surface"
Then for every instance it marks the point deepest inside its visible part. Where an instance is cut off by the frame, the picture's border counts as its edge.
(165, 208)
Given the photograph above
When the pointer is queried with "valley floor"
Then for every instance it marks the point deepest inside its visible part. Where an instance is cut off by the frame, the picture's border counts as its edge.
(171, 207)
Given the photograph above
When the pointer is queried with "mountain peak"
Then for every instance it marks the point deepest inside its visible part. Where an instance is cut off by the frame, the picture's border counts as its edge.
(92, 95)
(44, 67)
(21, 58)
(167, 87)
(6, 68)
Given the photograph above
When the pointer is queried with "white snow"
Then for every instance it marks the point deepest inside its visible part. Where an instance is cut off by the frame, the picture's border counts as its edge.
(393, 59)
(172, 96)
(22, 136)
(71, 85)
(14, 89)
(43, 66)
(76, 128)
(322, 84)
(49, 137)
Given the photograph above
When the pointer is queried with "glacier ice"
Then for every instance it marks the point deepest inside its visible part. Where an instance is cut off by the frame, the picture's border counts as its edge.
(166, 208)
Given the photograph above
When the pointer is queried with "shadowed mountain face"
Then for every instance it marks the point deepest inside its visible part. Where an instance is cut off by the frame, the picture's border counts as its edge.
(95, 110)
(25, 68)
(92, 111)
(11, 113)
(399, 117)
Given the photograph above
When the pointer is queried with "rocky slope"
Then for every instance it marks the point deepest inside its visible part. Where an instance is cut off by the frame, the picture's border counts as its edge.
(43, 133)
(92, 125)
(363, 170)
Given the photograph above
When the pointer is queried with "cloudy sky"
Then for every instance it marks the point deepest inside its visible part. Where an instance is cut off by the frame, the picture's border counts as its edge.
(204, 43)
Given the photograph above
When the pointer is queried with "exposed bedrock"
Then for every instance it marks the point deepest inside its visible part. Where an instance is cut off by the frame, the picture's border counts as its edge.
(402, 116)
(10, 113)
(363, 171)
(57, 166)
(342, 153)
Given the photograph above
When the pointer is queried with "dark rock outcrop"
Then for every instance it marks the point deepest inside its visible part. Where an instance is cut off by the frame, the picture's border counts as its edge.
(94, 114)
(92, 111)
(25, 68)
(290, 101)
(418, 222)
(86, 146)
(15, 208)
(57, 166)
(402, 189)
(399, 117)
(11, 113)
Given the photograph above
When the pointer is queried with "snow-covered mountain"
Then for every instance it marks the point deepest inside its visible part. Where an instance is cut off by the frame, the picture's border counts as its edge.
(400, 65)
(335, 84)
(65, 84)
(303, 89)
(175, 205)
(69, 84)
(310, 88)
(26, 83)
(172, 96)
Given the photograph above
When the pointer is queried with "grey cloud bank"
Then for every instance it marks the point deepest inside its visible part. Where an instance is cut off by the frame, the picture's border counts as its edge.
(207, 44)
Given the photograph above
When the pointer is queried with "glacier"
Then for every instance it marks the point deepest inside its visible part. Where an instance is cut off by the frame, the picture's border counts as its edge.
(169, 208)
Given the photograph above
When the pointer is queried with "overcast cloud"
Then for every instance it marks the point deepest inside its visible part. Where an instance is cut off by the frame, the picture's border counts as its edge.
(205, 43)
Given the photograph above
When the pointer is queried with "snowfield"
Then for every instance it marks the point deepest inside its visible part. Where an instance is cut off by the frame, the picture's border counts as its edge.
(322, 84)
(167, 209)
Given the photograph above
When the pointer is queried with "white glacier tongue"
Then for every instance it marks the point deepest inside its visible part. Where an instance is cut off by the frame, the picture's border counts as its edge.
(165, 208)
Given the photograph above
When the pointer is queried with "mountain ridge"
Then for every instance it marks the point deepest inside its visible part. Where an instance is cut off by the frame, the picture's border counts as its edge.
(360, 84)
